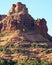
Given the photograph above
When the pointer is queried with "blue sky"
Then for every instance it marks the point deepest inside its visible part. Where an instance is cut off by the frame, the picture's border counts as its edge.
(37, 8)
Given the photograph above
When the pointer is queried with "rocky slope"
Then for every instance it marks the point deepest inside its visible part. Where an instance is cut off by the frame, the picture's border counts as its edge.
(21, 36)
(18, 18)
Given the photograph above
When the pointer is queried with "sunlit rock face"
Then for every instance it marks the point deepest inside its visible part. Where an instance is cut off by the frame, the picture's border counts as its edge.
(18, 18)
(18, 8)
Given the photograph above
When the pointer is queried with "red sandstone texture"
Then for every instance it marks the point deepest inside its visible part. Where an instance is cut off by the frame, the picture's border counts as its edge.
(19, 18)
(2, 17)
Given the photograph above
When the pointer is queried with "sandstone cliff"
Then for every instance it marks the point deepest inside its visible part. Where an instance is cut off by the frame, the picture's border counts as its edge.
(18, 18)
(2, 17)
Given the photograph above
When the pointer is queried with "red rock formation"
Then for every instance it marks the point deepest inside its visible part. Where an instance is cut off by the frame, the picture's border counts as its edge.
(21, 7)
(12, 10)
(18, 18)
(2, 17)
(18, 8)
(41, 27)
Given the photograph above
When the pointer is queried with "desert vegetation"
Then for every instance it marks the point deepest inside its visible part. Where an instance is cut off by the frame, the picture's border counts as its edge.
(23, 40)
(25, 62)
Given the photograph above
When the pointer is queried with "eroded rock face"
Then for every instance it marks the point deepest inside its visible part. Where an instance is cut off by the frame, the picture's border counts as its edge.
(18, 8)
(18, 18)
(1, 26)
(2, 17)
(41, 27)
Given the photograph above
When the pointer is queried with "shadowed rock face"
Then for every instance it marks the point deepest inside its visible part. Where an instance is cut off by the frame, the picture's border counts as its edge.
(1, 26)
(41, 27)
(2, 17)
(19, 18)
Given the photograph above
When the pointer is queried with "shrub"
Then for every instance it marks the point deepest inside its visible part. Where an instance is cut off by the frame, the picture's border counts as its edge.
(44, 62)
(2, 49)
(22, 62)
(25, 61)
(48, 51)
(23, 51)
(35, 45)
(7, 62)
(33, 62)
